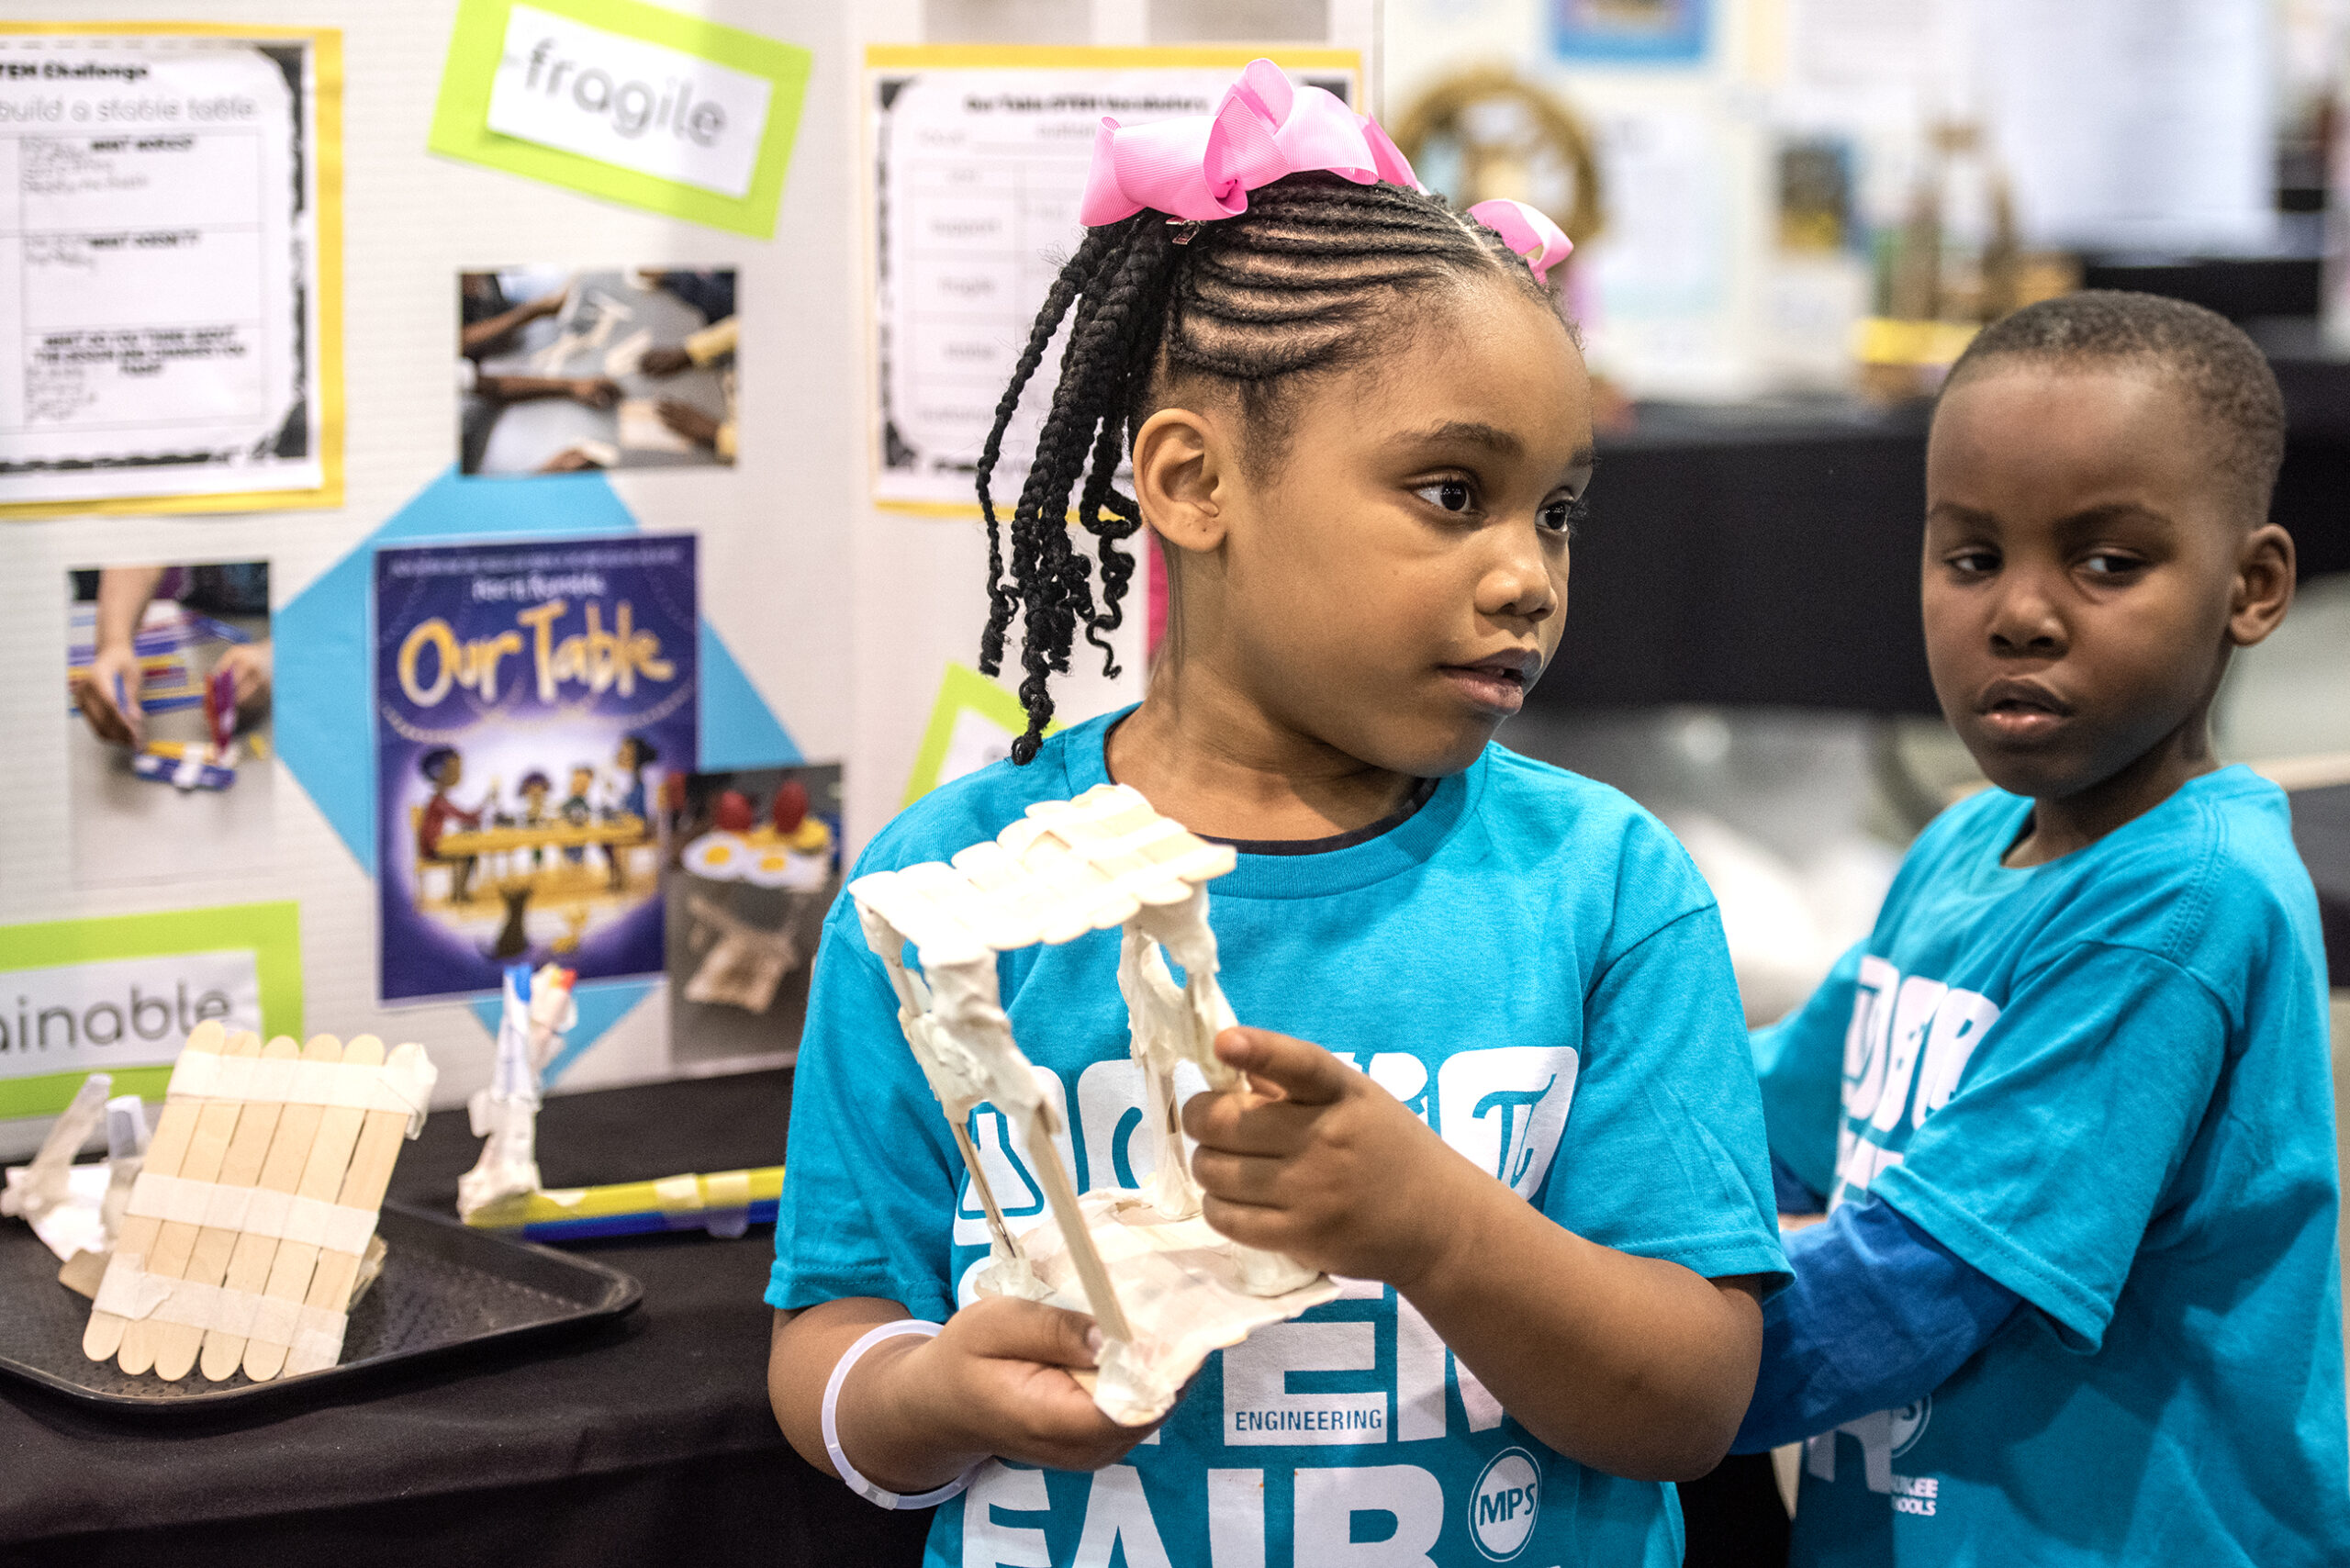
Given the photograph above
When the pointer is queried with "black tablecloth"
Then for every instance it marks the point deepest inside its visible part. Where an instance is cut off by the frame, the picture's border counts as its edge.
(645, 1440)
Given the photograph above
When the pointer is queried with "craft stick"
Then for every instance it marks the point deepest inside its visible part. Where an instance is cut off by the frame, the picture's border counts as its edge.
(362, 1188)
(177, 1344)
(996, 1228)
(289, 1271)
(249, 1265)
(1047, 1160)
(208, 1150)
(165, 1152)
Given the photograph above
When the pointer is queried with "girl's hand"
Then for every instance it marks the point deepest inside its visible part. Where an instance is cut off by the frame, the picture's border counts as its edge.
(995, 1381)
(1311, 1157)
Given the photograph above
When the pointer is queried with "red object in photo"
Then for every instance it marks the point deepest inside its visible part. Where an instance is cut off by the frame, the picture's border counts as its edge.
(734, 812)
(791, 807)
(220, 708)
(673, 793)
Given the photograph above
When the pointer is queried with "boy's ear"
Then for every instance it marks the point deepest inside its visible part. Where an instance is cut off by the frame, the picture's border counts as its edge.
(2264, 586)
(1183, 476)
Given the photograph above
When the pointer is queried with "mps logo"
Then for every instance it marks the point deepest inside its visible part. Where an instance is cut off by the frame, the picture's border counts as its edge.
(1502, 1508)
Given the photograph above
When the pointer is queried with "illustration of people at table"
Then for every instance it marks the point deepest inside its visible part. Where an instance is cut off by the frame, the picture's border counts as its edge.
(534, 790)
(444, 769)
(578, 811)
(635, 755)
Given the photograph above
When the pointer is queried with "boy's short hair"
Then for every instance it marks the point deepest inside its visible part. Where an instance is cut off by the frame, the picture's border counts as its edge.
(433, 761)
(2224, 371)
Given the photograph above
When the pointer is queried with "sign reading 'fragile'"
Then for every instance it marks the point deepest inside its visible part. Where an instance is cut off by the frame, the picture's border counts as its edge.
(627, 102)
(623, 101)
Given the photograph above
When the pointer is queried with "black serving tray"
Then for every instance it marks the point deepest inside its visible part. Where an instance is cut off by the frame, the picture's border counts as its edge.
(445, 1288)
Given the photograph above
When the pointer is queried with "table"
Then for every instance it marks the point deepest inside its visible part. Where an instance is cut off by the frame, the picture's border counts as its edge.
(648, 1440)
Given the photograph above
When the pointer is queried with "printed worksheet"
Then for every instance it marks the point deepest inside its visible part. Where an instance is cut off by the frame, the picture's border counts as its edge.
(159, 330)
(978, 173)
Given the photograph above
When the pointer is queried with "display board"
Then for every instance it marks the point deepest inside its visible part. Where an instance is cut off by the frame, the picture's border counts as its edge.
(98, 580)
(170, 252)
(979, 157)
(199, 731)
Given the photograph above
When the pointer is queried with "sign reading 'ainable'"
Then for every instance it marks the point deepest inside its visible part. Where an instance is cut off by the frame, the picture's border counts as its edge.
(622, 100)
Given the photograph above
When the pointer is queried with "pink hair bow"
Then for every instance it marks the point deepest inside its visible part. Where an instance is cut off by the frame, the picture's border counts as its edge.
(1528, 230)
(1201, 167)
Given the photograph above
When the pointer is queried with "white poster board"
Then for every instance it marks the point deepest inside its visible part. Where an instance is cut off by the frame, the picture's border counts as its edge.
(978, 159)
(160, 330)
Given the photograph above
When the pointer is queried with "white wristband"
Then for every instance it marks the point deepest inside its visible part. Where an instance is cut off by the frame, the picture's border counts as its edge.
(848, 1473)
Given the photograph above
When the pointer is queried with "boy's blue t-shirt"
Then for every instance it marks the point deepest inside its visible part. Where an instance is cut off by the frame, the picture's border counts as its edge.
(2102, 1081)
(1529, 961)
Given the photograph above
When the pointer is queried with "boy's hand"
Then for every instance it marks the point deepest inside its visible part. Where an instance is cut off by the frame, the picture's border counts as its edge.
(1311, 1157)
(995, 1381)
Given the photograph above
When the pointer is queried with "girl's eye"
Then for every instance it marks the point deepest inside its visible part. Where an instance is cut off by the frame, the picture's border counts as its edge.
(1973, 562)
(2107, 564)
(1446, 495)
(1560, 516)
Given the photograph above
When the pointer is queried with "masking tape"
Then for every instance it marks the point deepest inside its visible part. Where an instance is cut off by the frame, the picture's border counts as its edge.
(727, 1189)
(677, 1194)
(195, 1074)
(314, 1333)
(265, 1214)
(402, 1083)
(128, 1290)
(274, 1320)
(317, 1342)
(311, 1080)
(274, 1078)
(252, 1210)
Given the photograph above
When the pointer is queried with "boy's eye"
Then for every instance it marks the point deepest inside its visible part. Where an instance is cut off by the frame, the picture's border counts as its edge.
(2109, 564)
(1969, 562)
(1446, 495)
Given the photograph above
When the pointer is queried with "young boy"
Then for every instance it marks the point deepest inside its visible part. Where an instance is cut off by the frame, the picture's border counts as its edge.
(2078, 1296)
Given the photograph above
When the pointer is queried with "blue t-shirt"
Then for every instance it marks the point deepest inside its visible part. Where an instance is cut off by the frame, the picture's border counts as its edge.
(2103, 1083)
(1528, 962)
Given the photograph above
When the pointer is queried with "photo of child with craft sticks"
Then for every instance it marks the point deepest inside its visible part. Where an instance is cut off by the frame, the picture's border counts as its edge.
(169, 680)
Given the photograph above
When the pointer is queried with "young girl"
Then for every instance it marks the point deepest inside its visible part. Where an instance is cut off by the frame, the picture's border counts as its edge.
(1532, 1148)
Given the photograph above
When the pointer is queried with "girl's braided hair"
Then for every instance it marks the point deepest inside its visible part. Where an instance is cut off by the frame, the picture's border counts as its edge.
(1297, 283)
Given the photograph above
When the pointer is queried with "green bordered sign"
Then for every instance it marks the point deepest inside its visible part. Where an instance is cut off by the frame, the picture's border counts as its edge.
(973, 724)
(119, 994)
(627, 102)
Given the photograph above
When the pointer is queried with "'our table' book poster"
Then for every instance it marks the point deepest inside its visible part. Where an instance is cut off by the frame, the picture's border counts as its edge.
(529, 698)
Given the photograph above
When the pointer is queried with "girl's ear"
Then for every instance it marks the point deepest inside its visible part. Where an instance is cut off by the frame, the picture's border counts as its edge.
(1183, 473)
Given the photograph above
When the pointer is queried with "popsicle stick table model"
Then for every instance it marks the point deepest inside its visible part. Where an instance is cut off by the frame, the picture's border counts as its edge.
(256, 1203)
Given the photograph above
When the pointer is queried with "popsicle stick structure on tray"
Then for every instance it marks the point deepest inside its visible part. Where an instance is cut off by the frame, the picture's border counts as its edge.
(1165, 1287)
(259, 1196)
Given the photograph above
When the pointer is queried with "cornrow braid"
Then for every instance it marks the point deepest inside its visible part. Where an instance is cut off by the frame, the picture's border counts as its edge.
(1295, 286)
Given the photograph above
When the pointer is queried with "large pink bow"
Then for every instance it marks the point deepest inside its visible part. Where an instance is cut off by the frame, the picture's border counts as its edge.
(1528, 230)
(1201, 167)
